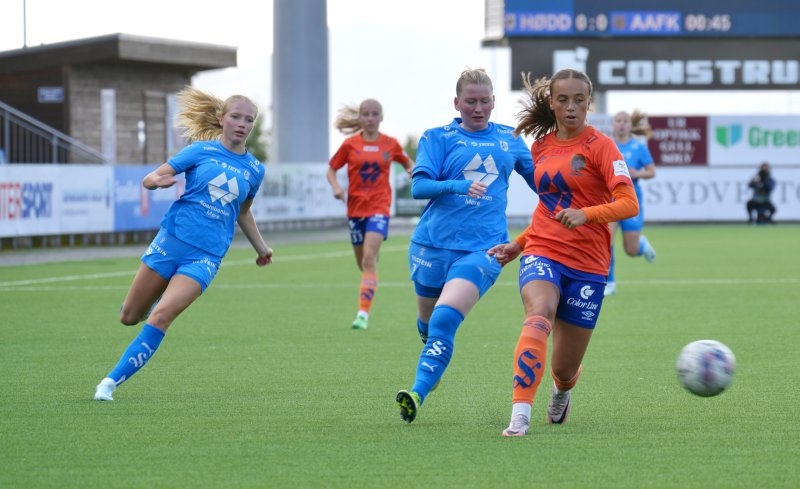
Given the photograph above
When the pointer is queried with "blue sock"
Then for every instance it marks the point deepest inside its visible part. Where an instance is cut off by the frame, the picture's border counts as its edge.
(611, 267)
(641, 247)
(138, 353)
(422, 328)
(438, 349)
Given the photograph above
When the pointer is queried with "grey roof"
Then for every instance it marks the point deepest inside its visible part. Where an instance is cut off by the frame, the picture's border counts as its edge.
(119, 48)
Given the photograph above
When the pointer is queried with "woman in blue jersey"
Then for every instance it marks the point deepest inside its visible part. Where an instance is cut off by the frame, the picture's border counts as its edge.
(463, 168)
(641, 167)
(222, 179)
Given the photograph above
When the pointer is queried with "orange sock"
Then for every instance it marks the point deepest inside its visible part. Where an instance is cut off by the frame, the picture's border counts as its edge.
(565, 386)
(369, 282)
(529, 358)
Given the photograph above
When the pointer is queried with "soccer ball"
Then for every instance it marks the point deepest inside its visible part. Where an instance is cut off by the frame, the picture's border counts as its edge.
(706, 367)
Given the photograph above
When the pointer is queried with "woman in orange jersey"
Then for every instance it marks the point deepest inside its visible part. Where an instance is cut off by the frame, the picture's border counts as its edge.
(583, 184)
(368, 155)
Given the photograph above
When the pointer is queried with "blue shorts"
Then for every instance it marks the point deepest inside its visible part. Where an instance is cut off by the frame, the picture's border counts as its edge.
(581, 292)
(431, 268)
(168, 256)
(635, 223)
(360, 226)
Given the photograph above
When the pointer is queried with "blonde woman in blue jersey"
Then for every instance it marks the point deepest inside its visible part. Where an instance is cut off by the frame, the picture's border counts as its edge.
(222, 179)
(641, 167)
(463, 168)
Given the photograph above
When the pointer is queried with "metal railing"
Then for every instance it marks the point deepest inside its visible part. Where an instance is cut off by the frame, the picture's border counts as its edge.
(25, 140)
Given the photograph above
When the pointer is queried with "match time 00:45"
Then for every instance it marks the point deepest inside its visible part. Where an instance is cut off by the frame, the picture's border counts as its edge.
(707, 23)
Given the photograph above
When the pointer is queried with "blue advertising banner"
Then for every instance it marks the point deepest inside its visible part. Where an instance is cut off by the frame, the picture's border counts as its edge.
(135, 207)
(40, 200)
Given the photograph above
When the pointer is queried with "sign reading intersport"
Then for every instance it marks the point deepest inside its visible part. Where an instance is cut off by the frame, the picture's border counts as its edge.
(674, 64)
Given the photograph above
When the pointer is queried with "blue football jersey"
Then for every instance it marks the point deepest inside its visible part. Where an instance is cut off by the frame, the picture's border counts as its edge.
(217, 182)
(459, 222)
(637, 156)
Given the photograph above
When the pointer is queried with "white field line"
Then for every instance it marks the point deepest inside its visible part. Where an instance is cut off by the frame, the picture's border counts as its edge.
(229, 263)
(407, 283)
(65, 278)
(35, 285)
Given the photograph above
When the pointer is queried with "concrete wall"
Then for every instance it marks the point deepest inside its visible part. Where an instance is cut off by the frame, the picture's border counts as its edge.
(141, 94)
(300, 82)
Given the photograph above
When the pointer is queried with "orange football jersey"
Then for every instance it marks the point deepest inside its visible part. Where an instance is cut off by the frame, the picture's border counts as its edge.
(368, 166)
(574, 173)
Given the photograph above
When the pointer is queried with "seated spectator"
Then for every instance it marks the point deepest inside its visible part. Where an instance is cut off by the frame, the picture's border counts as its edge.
(762, 185)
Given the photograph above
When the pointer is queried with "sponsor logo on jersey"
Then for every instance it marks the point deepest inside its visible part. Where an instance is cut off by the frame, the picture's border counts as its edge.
(255, 165)
(480, 170)
(588, 305)
(419, 261)
(554, 191)
(621, 168)
(155, 248)
(369, 172)
(227, 166)
(223, 190)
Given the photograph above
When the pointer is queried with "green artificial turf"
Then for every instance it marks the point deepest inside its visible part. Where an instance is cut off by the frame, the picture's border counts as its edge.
(263, 383)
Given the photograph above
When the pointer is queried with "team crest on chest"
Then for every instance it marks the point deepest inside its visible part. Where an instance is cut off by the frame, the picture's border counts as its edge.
(577, 163)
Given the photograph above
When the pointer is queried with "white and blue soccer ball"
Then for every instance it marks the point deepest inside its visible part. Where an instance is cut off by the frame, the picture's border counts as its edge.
(706, 367)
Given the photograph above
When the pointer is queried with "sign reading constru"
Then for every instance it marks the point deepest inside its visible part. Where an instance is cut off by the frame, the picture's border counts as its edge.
(658, 64)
